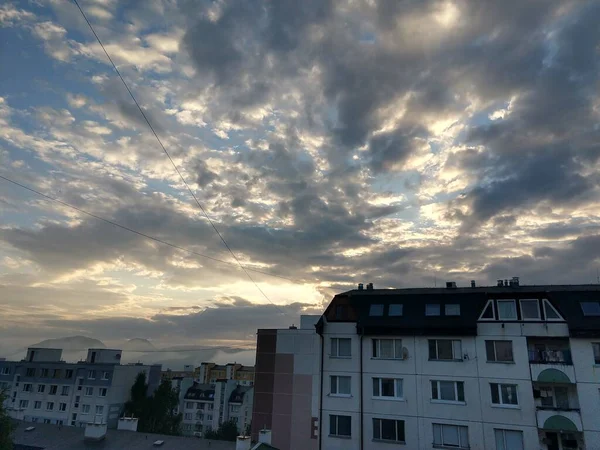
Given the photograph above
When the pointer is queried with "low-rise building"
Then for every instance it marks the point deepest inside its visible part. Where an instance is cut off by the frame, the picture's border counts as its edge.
(43, 388)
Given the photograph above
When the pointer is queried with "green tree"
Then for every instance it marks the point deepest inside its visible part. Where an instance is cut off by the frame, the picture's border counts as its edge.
(6, 425)
(227, 431)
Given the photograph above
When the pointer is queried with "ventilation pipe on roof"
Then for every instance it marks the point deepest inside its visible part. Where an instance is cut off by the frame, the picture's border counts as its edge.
(450, 285)
(94, 431)
(473, 283)
(264, 436)
(500, 283)
(506, 283)
(242, 443)
(370, 287)
(360, 286)
(515, 281)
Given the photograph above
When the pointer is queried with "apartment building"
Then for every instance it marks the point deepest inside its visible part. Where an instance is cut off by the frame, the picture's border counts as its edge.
(506, 367)
(43, 388)
(210, 373)
(206, 406)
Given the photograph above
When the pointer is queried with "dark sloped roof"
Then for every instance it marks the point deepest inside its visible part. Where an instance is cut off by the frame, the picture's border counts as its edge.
(51, 437)
(237, 395)
(200, 392)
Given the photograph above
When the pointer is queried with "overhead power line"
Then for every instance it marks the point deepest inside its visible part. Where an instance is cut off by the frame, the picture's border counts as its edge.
(169, 156)
(139, 233)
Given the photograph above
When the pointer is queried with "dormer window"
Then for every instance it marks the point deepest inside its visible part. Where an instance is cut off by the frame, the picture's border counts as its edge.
(452, 309)
(376, 310)
(396, 310)
(507, 310)
(590, 308)
(432, 309)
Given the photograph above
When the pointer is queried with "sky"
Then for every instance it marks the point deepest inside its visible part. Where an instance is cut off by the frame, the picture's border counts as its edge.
(330, 142)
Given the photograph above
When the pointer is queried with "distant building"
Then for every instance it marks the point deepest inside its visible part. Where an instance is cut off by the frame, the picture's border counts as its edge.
(42, 388)
(188, 371)
(209, 372)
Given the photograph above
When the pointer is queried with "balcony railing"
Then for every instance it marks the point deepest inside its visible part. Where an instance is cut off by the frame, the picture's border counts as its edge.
(550, 356)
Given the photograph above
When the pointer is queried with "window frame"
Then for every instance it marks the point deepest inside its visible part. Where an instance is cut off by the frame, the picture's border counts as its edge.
(37, 404)
(337, 386)
(539, 312)
(395, 397)
(545, 304)
(101, 409)
(53, 389)
(5, 370)
(446, 309)
(502, 300)
(461, 445)
(85, 392)
(105, 375)
(400, 309)
(496, 360)
(49, 406)
(456, 392)
(596, 353)
(23, 404)
(501, 404)
(27, 387)
(102, 390)
(503, 431)
(379, 309)
(581, 303)
(30, 372)
(429, 313)
(68, 374)
(85, 409)
(62, 407)
(336, 418)
(41, 388)
(437, 350)
(376, 344)
(337, 348)
(91, 375)
(65, 390)
(399, 424)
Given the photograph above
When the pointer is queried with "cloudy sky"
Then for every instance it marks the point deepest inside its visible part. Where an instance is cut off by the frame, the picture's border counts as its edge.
(331, 142)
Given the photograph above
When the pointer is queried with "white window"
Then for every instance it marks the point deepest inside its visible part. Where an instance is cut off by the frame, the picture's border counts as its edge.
(530, 309)
(550, 312)
(189, 405)
(396, 309)
(507, 310)
(49, 406)
(454, 436)
(388, 388)
(53, 389)
(340, 426)
(62, 407)
(85, 409)
(448, 391)
(445, 350)
(452, 310)
(89, 391)
(341, 348)
(6, 371)
(340, 385)
(41, 388)
(27, 387)
(64, 390)
(188, 416)
(499, 351)
(388, 430)
(596, 349)
(37, 405)
(508, 439)
(590, 308)
(99, 409)
(504, 394)
(432, 309)
(105, 375)
(91, 374)
(23, 403)
(376, 310)
(387, 348)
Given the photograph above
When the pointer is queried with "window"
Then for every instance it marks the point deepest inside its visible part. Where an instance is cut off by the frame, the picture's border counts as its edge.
(507, 310)
(555, 397)
(188, 416)
(340, 348)
(53, 389)
(387, 348)
(448, 391)
(30, 372)
(89, 391)
(85, 409)
(64, 390)
(27, 387)
(69, 373)
(105, 375)
(91, 374)
(99, 409)
(388, 388)
(56, 373)
(376, 310)
(340, 385)
(62, 407)
(46, 420)
(6, 371)
(200, 405)
(499, 351)
(452, 310)
(388, 430)
(504, 394)
(37, 405)
(530, 310)
(23, 403)
(432, 309)
(596, 348)
(550, 312)
(445, 350)
(49, 406)
(508, 439)
(454, 436)
(41, 388)
(488, 311)
(44, 373)
(189, 405)
(235, 408)
(396, 310)
(340, 426)
(590, 308)
(102, 392)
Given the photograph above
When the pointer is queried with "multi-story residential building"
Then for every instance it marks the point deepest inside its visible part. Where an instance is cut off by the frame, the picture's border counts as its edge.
(188, 371)
(210, 373)
(206, 406)
(506, 367)
(42, 388)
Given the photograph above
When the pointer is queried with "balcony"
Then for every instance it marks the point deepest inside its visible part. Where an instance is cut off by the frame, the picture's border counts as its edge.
(556, 419)
(550, 357)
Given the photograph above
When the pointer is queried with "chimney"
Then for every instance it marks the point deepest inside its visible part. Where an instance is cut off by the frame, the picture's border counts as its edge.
(450, 285)
(500, 283)
(515, 281)
(473, 283)
(506, 283)
(94, 431)
(370, 287)
(360, 286)
(242, 443)
(264, 437)
(127, 423)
